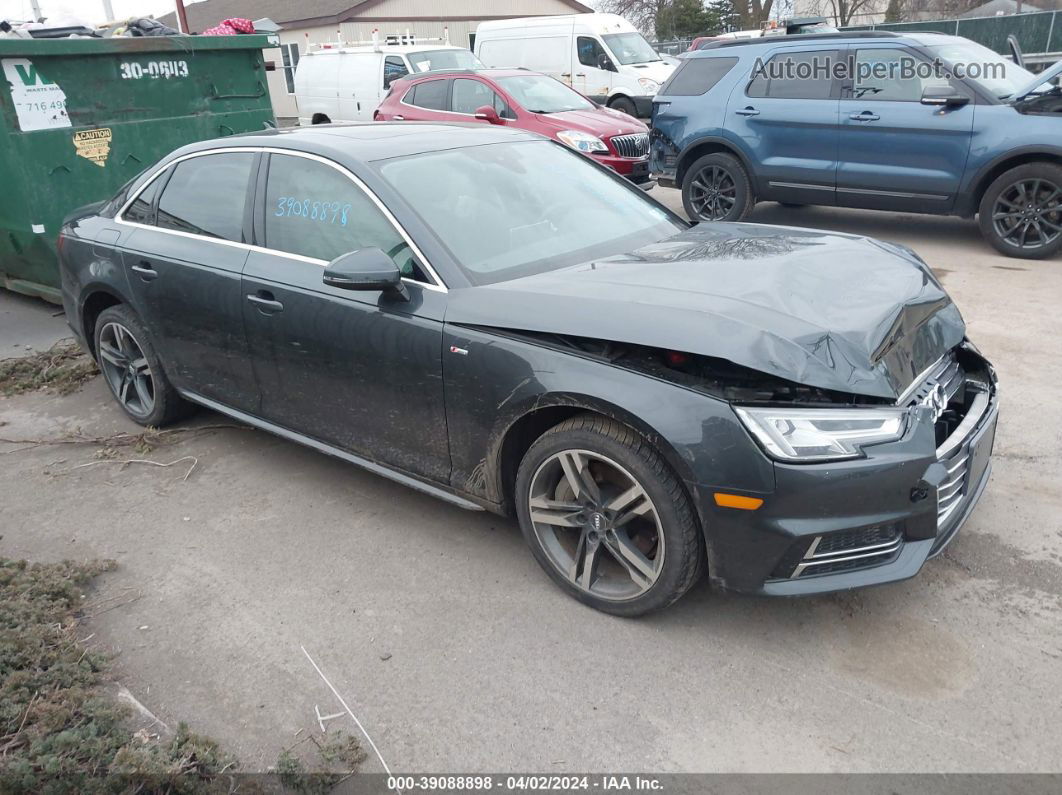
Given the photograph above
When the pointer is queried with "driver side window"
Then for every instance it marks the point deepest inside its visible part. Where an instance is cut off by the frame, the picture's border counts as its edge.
(590, 51)
(314, 210)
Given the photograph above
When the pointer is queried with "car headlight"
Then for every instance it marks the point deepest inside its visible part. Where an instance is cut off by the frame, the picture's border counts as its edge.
(651, 86)
(584, 142)
(822, 434)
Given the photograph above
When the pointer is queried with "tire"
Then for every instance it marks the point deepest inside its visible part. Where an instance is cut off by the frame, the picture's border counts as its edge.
(1021, 212)
(624, 105)
(655, 530)
(713, 181)
(142, 390)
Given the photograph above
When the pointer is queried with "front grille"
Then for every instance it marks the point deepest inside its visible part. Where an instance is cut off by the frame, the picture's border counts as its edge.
(950, 491)
(636, 145)
(847, 550)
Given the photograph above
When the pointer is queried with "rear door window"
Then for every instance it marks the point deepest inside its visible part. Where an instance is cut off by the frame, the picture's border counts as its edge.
(794, 75)
(206, 196)
(430, 95)
(697, 76)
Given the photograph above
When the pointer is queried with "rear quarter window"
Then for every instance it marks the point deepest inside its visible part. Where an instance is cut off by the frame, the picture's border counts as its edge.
(697, 76)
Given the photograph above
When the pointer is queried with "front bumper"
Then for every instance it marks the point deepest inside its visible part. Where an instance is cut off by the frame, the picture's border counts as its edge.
(636, 170)
(850, 524)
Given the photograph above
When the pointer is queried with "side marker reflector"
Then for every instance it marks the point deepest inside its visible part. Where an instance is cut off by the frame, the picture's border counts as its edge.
(737, 501)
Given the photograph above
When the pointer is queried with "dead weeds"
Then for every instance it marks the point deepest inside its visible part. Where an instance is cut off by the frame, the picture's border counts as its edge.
(61, 369)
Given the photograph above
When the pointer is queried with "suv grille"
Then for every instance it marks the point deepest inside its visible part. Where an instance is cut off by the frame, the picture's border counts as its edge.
(636, 145)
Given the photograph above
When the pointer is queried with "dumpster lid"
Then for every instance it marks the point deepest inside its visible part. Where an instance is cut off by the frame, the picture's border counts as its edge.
(135, 44)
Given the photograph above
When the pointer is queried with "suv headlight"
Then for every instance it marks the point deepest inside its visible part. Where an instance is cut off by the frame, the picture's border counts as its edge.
(651, 86)
(822, 434)
(584, 142)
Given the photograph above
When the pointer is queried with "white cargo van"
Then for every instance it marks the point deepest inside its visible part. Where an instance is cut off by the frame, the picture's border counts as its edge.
(349, 83)
(600, 55)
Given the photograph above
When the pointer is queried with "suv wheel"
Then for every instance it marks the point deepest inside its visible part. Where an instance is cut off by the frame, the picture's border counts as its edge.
(132, 369)
(1021, 212)
(606, 517)
(717, 188)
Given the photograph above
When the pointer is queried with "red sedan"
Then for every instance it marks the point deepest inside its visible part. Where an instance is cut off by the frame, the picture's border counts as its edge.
(528, 101)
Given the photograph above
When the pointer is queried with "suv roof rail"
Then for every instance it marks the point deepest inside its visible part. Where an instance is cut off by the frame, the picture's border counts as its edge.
(764, 40)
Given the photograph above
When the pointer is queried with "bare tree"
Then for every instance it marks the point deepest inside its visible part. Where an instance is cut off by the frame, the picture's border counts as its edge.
(640, 13)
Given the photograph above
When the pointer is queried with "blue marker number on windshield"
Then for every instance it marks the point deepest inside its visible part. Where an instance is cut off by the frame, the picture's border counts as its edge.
(323, 212)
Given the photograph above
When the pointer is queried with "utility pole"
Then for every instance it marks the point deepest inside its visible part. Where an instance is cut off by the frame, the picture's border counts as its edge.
(36, 10)
(108, 11)
(182, 17)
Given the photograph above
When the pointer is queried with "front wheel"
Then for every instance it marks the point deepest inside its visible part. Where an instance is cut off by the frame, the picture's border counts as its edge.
(606, 517)
(717, 188)
(624, 105)
(1021, 212)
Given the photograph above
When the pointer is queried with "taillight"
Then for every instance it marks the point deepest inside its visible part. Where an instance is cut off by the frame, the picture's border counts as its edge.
(59, 243)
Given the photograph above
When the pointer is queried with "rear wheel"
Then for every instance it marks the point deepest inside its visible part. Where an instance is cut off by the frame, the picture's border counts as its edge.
(1021, 212)
(624, 105)
(132, 369)
(717, 188)
(606, 517)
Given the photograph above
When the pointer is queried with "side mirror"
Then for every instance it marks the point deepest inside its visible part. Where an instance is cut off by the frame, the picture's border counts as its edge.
(944, 96)
(365, 269)
(604, 62)
(488, 114)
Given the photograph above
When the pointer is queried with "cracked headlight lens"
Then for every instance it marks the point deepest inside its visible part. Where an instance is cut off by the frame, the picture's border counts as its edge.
(821, 434)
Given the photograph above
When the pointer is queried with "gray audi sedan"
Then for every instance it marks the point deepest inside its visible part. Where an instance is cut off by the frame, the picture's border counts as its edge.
(489, 317)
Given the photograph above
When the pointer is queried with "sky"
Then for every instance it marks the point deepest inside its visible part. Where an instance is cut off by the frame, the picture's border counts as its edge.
(89, 10)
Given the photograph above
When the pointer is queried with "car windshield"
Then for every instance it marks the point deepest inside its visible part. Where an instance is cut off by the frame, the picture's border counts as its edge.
(630, 48)
(997, 74)
(541, 94)
(433, 60)
(508, 210)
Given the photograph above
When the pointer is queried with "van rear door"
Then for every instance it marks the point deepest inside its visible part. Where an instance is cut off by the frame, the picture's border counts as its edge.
(317, 87)
(360, 84)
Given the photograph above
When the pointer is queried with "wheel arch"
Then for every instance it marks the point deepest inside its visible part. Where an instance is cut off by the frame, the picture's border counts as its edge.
(517, 434)
(988, 174)
(96, 299)
(708, 146)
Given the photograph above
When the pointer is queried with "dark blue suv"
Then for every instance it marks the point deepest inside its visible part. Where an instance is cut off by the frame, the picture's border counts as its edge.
(916, 122)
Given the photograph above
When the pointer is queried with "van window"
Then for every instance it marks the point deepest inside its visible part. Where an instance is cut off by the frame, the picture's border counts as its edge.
(433, 60)
(590, 51)
(798, 75)
(695, 76)
(206, 196)
(316, 211)
(394, 68)
(431, 94)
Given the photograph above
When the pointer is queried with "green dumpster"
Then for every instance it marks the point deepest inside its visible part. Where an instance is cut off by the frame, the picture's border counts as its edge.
(79, 117)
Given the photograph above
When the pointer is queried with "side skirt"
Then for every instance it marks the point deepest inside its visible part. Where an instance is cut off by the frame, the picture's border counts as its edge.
(371, 466)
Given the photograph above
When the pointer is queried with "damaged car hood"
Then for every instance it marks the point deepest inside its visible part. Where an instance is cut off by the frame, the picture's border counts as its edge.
(824, 309)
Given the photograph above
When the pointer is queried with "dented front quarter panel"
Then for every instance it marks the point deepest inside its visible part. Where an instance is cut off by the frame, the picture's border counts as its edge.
(500, 379)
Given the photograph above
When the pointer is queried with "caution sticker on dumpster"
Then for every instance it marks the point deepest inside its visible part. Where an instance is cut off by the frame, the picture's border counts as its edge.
(94, 145)
(39, 103)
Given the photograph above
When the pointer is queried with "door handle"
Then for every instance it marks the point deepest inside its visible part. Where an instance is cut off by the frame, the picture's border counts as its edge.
(566, 74)
(580, 74)
(265, 302)
(147, 273)
(396, 117)
(864, 116)
(749, 111)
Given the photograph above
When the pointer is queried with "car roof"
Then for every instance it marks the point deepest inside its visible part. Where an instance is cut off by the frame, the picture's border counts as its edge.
(842, 37)
(365, 142)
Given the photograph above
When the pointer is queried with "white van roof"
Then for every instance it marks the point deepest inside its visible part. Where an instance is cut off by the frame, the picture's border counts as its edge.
(596, 23)
(385, 49)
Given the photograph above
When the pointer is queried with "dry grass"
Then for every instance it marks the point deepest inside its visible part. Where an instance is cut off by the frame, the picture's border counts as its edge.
(61, 369)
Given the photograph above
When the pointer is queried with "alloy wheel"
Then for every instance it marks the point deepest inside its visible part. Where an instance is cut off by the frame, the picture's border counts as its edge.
(713, 193)
(1028, 213)
(597, 524)
(126, 369)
